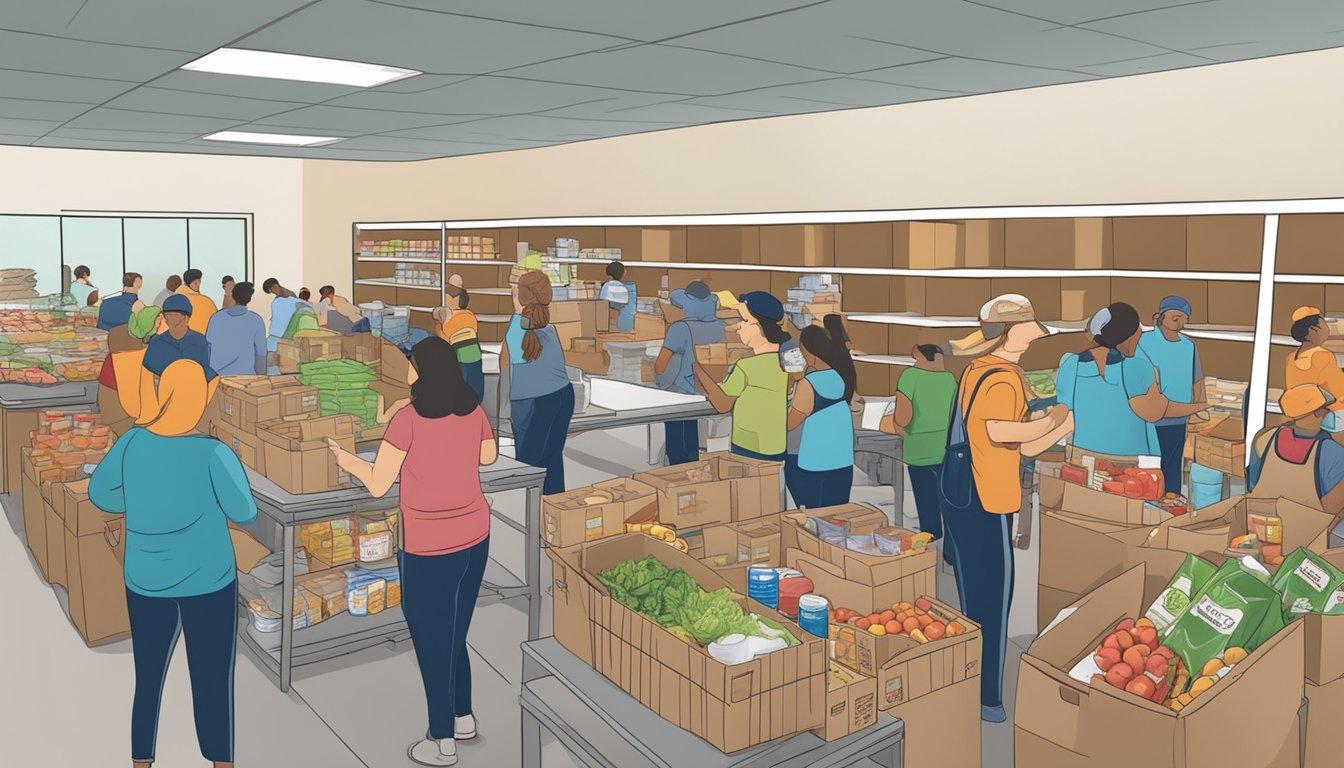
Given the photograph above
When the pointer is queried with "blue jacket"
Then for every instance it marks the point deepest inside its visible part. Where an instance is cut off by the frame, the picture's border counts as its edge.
(178, 494)
(237, 338)
(116, 311)
(163, 350)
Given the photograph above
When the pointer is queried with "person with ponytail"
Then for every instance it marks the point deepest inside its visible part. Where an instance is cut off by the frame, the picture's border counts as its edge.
(822, 472)
(756, 390)
(541, 399)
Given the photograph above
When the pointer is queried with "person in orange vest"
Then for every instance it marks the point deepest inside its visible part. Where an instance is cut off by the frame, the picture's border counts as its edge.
(1312, 363)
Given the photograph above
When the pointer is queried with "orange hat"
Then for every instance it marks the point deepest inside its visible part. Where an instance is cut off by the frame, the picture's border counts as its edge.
(1302, 313)
(1303, 400)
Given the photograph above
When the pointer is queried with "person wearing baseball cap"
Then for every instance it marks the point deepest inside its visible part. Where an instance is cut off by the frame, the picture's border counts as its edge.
(1299, 461)
(1181, 378)
(179, 341)
(1312, 363)
(756, 390)
(992, 405)
(674, 370)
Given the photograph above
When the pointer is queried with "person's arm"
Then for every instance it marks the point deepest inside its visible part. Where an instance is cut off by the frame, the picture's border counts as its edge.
(232, 491)
(107, 488)
(386, 412)
(901, 417)
(377, 476)
(801, 405)
(719, 394)
(1138, 375)
(664, 359)
(1333, 380)
(1004, 398)
(489, 447)
(1051, 438)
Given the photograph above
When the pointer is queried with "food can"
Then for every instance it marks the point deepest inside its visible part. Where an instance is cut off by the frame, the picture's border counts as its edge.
(763, 585)
(814, 615)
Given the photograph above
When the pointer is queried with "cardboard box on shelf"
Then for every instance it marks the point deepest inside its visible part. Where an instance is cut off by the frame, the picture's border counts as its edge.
(246, 445)
(955, 297)
(292, 353)
(1260, 698)
(245, 401)
(1223, 446)
(926, 244)
(1233, 303)
(723, 245)
(95, 548)
(327, 588)
(720, 488)
(1150, 242)
(648, 243)
(732, 708)
(867, 244)
(798, 245)
(1228, 243)
(1058, 243)
(296, 454)
(981, 243)
(1081, 297)
(595, 512)
(851, 703)
(1308, 243)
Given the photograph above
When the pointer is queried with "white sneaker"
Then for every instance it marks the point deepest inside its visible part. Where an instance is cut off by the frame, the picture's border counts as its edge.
(464, 728)
(431, 752)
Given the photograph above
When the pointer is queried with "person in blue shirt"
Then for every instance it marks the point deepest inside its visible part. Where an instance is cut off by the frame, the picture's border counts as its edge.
(1114, 395)
(115, 311)
(674, 370)
(541, 397)
(179, 342)
(1180, 377)
(283, 307)
(82, 289)
(621, 297)
(179, 564)
(821, 474)
(237, 337)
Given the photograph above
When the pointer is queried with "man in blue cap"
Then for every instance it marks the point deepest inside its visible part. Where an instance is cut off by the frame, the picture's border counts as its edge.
(675, 368)
(179, 342)
(1181, 379)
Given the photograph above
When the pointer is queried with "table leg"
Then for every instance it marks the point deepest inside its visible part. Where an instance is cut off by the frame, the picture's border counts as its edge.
(891, 757)
(655, 456)
(532, 566)
(531, 741)
(898, 483)
(287, 610)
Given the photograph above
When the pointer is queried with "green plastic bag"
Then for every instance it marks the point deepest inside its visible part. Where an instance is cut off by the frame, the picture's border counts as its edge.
(1190, 578)
(1227, 613)
(1309, 584)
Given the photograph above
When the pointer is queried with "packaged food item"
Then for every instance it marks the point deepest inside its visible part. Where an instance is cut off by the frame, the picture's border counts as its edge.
(1229, 611)
(1175, 599)
(862, 543)
(1309, 584)
(831, 530)
(791, 588)
(763, 585)
(1241, 546)
(1268, 529)
(893, 541)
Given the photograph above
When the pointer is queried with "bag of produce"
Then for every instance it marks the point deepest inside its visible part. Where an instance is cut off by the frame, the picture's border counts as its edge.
(1228, 612)
(1309, 584)
(1190, 578)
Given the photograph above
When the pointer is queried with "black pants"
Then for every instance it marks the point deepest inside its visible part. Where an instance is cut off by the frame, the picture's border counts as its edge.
(1171, 440)
(683, 441)
(983, 552)
(210, 623)
(438, 596)
(929, 504)
(540, 426)
(814, 490)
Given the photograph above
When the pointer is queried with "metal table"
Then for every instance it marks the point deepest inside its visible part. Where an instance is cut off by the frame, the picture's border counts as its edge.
(345, 634)
(31, 397)
(886, 465)
(601, 725)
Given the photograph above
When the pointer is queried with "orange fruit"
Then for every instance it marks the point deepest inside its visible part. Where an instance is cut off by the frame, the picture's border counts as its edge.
(894, 627)
(888, 616)
(925, 620)
(901, 616)
(862, 622)
(911, 624)
(935, 631)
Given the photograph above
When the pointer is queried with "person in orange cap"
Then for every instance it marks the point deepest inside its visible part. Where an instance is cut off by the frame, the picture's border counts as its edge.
(1312, 363)
(1298, 460)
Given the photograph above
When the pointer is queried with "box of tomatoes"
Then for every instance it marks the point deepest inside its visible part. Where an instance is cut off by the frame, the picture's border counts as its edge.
(912, 648)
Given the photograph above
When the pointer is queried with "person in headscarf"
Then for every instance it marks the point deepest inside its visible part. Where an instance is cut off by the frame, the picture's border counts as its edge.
(179, 560)
(674, 370)
(541, 397)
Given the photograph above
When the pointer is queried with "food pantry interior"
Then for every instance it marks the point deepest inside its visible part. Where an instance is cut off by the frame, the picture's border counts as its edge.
(592, 384)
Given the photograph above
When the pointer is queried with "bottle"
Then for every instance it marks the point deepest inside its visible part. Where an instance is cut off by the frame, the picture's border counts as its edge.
(791, 357)
(814, 615)
(763, 585)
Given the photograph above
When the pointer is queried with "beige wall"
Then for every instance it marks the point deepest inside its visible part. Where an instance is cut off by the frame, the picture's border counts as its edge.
(1263, 129)
(40, 180)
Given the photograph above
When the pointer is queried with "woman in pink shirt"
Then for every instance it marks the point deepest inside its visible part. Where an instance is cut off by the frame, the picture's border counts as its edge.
(436, 447)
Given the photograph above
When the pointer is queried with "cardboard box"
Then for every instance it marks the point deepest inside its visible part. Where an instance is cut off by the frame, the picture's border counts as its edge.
(394, 365)
(245, 401)
(798, 245)
(292, 353)
(1223, 447)
(1081, 297)
(1058, 494)
(1234, 303)
(648, 243)
(950, 296)
(296, 455)
(649, 327)
(14, 429)
(852, 579)
(1231, 243)
(1325, 710)
(246, 445)
(1307, 241)
(731, 707)
(735, 489)
(1249, 718)
(867, 244)
(95, 549)
(595, 512)
(1058, 244)
(942, 728)
(851, 703)
(905, 668)
(981, 243)
(35, 526)
(724, 245)
(593, 317)
(1324, 637)
(732, 549)
(596, 363)
(926, 244)
(53, 505)
(362, 348)
(1150, 242)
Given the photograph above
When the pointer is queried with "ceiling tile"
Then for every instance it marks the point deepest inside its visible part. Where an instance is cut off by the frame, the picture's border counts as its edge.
(251, 87)
(38, 85)
(534, 128)
(488, 95)
(21, 127)
(688, 112)
(664, 69)
(40, 110)
(358, 120)
(37, 53)
(102, 134)
(982, 76)
(11, 139)
(840, 93)
(1079, 11)
(149, 122)
(193, 25)
(151, 99)
(415, 39)
(1258, 28)
(1143, 65)
(651, 21)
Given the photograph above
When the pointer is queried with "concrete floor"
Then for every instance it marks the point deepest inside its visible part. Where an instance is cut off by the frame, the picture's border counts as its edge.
(68, 705)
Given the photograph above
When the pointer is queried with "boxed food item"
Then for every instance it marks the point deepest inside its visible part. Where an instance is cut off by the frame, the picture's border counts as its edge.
(732, 548)
(244, 443)
(325, 589)
(1222, 446)
(720, 488)
(855, 579)
(851, 703)
(321, 345)
(331, 541)
(676, 669)
(595, 512)
(296, 455)
(246, 401)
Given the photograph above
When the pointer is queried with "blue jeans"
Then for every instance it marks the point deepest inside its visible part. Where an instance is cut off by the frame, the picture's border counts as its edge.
(438, 597)
(540, 426)
(814, 490)
(474, 373)
(736, 451)
(210, 623)
(683, 441)
(929, 504)
(1171, 440)
(983, 552)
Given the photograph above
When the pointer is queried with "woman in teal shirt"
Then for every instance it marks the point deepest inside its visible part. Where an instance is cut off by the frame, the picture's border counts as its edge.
(541, 397)
(821, 474)
(178, 491)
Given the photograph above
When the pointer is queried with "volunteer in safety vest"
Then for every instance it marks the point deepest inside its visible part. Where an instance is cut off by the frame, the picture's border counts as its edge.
(1298, 460)
(1312, 363)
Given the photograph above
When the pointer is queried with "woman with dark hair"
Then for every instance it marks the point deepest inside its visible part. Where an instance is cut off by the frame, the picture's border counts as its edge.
(620, 297)
(1114, 396)
(86, 295)
(922, 414)
(822, 472)
(756, 389)
(436, 447)
(541, 398)
(458, 326)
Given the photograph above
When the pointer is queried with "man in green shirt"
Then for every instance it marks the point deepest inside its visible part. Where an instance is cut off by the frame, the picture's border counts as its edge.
(922, 413)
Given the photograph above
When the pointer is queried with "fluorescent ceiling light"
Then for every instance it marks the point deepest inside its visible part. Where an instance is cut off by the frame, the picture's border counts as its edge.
(280, 139)
(288, 66)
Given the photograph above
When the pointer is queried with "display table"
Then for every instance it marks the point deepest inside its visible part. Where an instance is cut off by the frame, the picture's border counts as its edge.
(884, 463)
(18, 406)
(601, 725)
(343, 634)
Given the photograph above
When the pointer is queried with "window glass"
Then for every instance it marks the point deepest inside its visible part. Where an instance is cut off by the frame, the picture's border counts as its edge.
(30, 242)
(218, 248)
(156, 248)
(94, 243)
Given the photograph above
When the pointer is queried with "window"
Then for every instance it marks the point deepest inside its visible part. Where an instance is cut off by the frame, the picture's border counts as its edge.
(94, 243)
(32, 242)
(217, 247)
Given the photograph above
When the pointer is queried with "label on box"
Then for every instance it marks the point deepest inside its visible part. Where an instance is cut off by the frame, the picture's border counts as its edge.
(592, 527)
